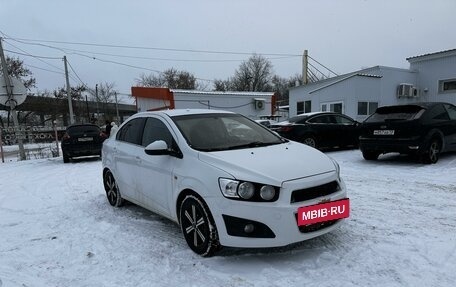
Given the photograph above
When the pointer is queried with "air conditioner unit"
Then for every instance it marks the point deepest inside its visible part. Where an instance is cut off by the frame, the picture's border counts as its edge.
(407, 90)
(259, 104)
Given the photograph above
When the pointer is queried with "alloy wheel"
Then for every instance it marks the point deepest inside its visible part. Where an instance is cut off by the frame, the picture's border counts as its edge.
(434, 150)
(112, 190)
(310, 141)
(197, 226)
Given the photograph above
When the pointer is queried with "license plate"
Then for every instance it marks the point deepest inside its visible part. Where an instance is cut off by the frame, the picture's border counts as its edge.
(383, 132)
(85, 139)
(324, 212)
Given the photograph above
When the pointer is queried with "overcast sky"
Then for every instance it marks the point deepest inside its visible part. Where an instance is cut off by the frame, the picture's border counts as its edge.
(344, 35)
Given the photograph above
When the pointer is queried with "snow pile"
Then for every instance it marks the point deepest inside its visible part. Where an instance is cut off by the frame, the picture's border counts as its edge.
(57, 229)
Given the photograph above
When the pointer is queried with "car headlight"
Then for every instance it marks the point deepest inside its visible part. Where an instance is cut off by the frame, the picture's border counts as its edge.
(246, 190)
(249, 191)
(267, 192)
(336, 165)
(228, 187)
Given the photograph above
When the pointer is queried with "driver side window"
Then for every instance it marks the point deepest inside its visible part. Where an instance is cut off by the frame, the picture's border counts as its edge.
(155, 130)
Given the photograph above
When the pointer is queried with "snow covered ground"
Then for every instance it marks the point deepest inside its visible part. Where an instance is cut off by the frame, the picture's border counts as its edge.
(57, 229)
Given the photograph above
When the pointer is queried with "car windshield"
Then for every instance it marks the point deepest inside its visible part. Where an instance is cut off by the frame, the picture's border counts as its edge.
(395, 113)
(217, 132)
(80, 130)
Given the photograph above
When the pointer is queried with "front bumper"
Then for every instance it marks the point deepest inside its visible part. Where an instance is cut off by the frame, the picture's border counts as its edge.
(279, 216)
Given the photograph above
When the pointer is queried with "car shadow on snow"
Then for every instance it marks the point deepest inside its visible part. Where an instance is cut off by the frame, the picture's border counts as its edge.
(85, 159)
(403, 159)
(164, 229)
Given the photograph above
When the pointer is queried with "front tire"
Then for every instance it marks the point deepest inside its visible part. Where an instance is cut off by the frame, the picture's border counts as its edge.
(66, 159)
(310, 141)
(432, 152)
(112, 190)
(198, 226)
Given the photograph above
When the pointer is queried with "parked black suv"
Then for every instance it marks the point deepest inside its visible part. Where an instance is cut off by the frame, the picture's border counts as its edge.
(82, 140)
(421, 129)
(320, 130)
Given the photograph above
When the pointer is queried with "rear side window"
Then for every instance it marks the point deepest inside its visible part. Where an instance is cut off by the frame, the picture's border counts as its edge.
(131, 132)
(438, 113)
(322, 120)
(342, 120)
(81, 130)
(451, 111)
(395, 113)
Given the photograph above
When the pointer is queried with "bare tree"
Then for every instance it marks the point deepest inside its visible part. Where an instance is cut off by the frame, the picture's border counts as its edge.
(171, 78)
(281, 86)
(253, 75)
(16, 69)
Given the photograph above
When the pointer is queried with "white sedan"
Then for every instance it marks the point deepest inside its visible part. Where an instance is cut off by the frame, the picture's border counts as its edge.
(223, 186)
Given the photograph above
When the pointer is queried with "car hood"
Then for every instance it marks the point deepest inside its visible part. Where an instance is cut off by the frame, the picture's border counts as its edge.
(271, 164)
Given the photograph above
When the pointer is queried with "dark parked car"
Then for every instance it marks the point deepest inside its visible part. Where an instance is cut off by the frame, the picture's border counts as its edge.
(320, 130)
(82, 140)
(421, 129)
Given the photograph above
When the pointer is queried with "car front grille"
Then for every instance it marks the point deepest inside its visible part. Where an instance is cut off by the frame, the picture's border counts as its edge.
(316, 226)
(314, 192)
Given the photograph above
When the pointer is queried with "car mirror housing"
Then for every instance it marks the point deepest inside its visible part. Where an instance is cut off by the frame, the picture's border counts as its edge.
(157, 148)
(160, 147)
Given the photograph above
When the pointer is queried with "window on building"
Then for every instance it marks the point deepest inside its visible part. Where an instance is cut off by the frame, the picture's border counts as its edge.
(366, 108)
(304, 107)
(300, 108)
(307, 106)
(337, 107)
(447, 86)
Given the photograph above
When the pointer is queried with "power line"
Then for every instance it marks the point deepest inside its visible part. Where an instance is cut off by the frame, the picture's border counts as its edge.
(34, 56)
(149, 48)
(39, 59)
(71, 67)
(56, 72)
(65, 50)
(323, 66)
(317, 69)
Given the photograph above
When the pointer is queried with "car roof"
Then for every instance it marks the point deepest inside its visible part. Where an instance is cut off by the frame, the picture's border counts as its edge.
(425, 105)
(317, 113)
(182, 112)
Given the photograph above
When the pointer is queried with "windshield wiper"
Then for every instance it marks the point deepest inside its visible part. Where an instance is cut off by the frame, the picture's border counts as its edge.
(252, 144)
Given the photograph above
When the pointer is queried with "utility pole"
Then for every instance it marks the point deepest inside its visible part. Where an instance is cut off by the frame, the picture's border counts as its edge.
(70, 103)
(305, 79)
(96, 98)
(117, 108)
(9, 92)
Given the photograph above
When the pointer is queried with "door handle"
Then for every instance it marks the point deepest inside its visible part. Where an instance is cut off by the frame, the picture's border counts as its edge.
(138, 159)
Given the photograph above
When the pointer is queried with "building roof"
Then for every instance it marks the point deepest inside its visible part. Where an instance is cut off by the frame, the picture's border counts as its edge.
(428, 56)
(345, 78)
(230, 93)
(182, 112)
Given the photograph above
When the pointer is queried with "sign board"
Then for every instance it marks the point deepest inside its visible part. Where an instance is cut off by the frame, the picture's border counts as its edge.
(19, 92)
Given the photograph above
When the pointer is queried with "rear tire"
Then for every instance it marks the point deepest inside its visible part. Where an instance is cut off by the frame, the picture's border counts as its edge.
(432, 152)
(198, 226)
(370, 155)
(66, 159)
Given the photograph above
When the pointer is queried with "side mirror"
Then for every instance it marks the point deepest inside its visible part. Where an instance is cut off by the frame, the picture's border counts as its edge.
(157, 148)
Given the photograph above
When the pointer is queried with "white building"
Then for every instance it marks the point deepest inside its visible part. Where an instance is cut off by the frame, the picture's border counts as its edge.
(250, 104)
(430, 78)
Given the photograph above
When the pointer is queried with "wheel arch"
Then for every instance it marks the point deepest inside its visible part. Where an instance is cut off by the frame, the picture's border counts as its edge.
(181, 197)
(435, 134)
